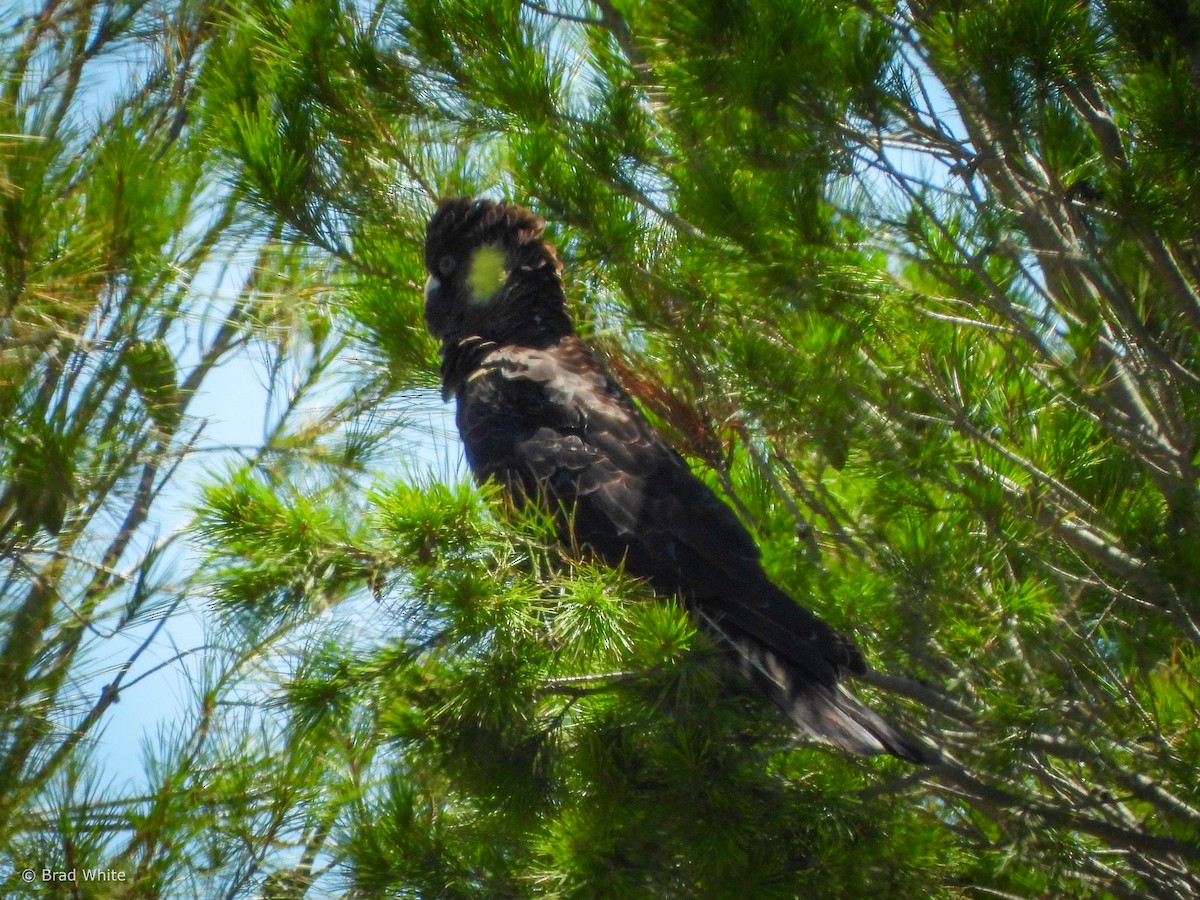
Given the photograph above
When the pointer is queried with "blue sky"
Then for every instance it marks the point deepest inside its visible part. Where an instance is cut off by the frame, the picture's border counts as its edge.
(235, 404)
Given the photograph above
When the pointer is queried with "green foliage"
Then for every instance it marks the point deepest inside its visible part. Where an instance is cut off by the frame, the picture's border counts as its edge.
(918, 283)
(286, 546)
(129, 274)
(915, 285)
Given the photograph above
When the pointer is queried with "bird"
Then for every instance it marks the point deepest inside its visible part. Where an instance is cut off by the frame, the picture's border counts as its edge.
(542, 416)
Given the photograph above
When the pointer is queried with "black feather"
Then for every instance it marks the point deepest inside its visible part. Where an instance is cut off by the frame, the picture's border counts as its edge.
(539, 414)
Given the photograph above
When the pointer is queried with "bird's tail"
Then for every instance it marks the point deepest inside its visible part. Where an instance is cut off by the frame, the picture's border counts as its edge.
(822, 709)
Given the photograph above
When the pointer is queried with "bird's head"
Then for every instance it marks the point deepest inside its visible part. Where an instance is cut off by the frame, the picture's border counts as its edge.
(491, 275)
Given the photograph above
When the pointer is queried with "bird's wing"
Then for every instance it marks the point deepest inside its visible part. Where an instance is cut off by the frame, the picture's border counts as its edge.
(553, 423)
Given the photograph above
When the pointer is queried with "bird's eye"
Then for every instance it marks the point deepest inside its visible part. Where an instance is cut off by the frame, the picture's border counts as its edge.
(446, 264)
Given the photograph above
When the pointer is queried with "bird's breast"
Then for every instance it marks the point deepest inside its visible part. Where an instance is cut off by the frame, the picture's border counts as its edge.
(569, 385)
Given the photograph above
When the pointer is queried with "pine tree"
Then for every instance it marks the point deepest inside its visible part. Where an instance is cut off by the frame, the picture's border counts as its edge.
(130, 275)
(915, 285)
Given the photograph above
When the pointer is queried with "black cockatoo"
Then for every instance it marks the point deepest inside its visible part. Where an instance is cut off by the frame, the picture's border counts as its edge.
(540, 415)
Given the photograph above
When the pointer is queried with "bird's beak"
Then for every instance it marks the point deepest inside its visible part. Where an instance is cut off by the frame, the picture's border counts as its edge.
(433, 311)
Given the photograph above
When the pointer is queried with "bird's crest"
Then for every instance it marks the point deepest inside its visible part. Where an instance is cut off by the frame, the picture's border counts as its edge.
(465, 223)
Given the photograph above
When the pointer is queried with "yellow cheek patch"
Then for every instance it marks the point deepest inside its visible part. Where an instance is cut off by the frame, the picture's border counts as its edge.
(487, 273)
